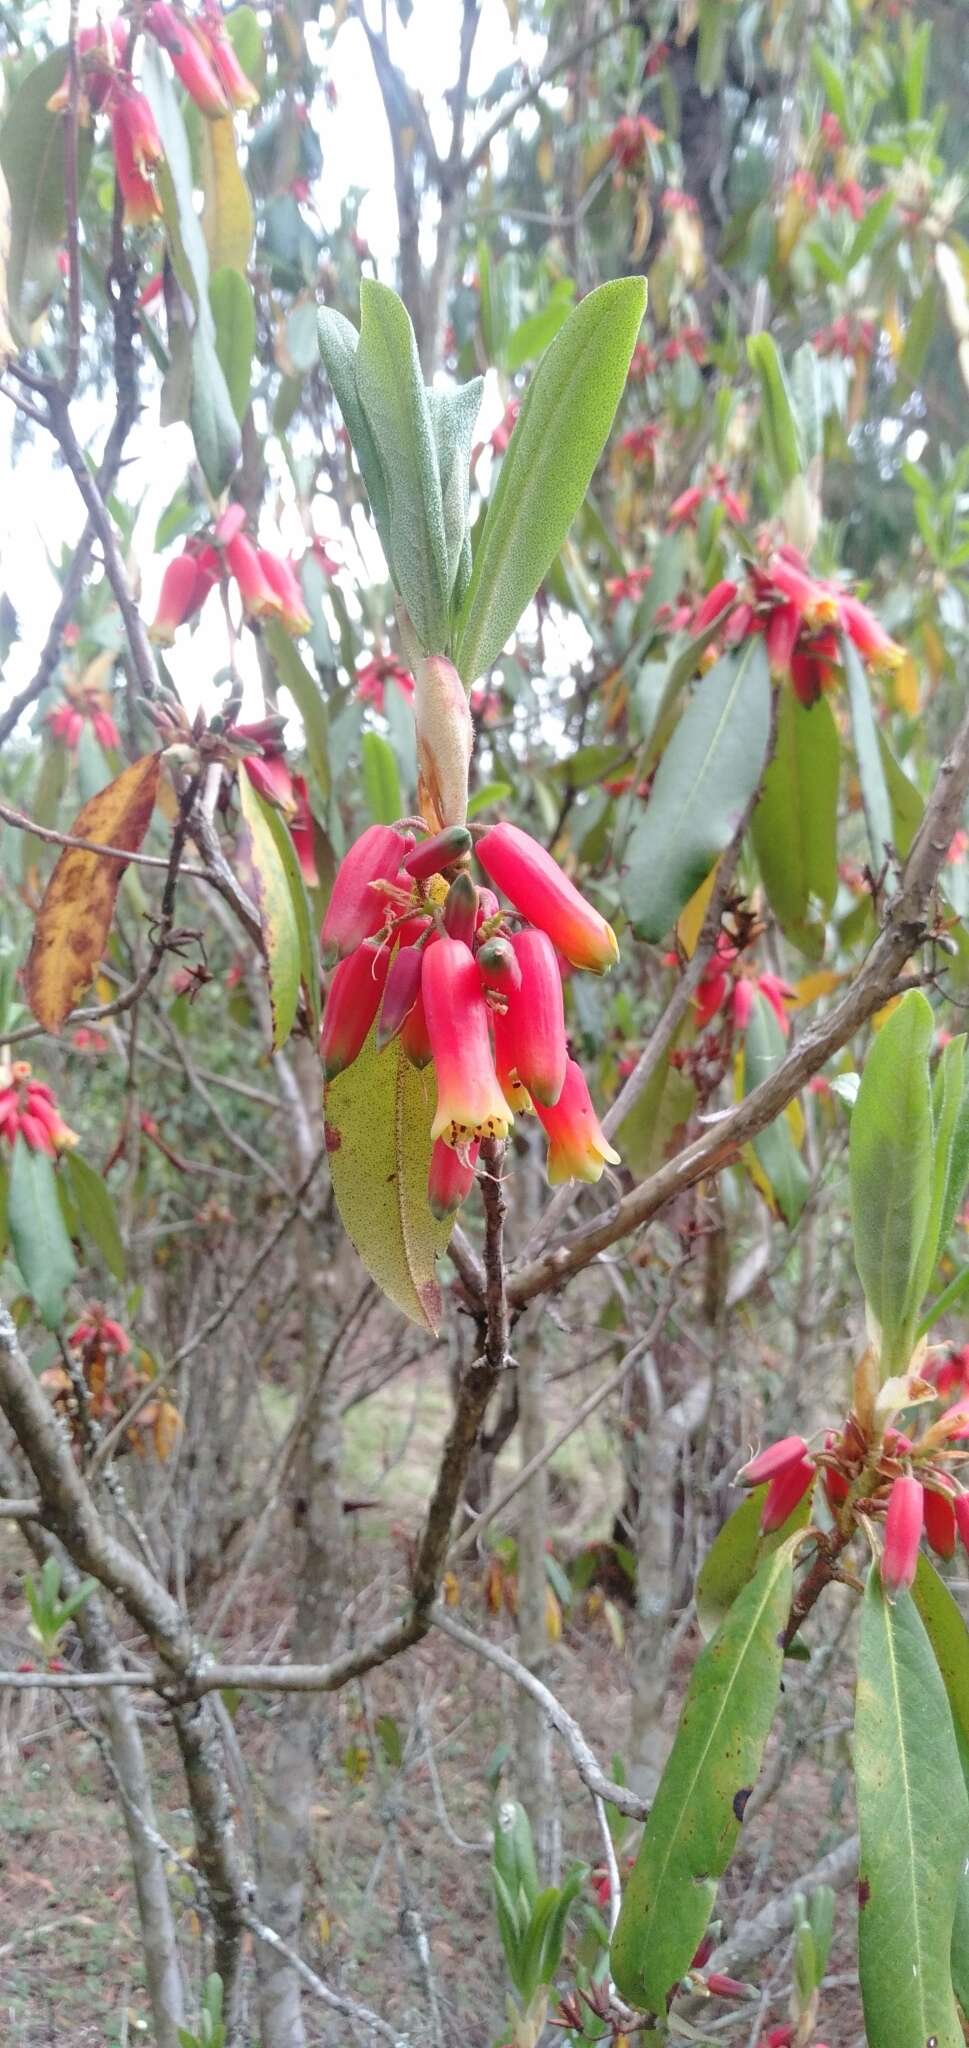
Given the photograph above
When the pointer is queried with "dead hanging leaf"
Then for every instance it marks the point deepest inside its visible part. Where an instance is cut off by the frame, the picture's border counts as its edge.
(78, 904)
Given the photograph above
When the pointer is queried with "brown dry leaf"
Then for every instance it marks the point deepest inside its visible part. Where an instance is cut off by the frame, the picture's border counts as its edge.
(168, 1423)
(75, 916)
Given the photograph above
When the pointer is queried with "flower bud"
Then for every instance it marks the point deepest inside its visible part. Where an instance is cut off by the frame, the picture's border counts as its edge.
(720, 1986)
(356, 910)
(414, 1037)
(445, 737)
(498, 965)
(137, 149)
(432, 856)
(903, 1530)
(716, 601)
(940, 1523)
(450, 1178)
(535, 1019)
(401, 993)
(283, 580)
(352, 1002)
(786, 1489)
(539, 889)
(779, 1457)
(461, 909)
(257, 593)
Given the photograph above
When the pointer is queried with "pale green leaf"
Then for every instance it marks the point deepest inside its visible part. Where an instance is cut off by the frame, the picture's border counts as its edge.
(38, 1235)
(277, 905)
(891, 1169)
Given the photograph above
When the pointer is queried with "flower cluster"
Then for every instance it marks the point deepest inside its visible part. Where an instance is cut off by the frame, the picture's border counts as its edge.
(270, 773)
(376, 673)
(83, 703)
(725, 983)
(268, 584)
(28, 1110)
(800, 616)
(879, 1473)
(630, 139)
(435, 962)
(204, 61)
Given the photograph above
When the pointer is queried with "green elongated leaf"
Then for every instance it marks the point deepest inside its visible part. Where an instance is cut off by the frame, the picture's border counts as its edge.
(380, 779)
(944, 1301)
(38, 1235)
(737, 1550)
(871, 773)
(778, 422)
(278, 913)
(234, 313)
(308, 699)
(947, 1098)
(391, 391)
(795, 823)
(378, 1137)
(949, 1637)
(557, 440)
(891, 1169)
(957, 1164)
(696, 1816)
(905, 801)
(555, 1931)
(215, 429)
(32, 162)
(309, 954)
(338, 347)
(490, 793)
(703, 784)
(913, 1816)
(777, 1154)
(453, 414)
(227, 222)
(96, 1212)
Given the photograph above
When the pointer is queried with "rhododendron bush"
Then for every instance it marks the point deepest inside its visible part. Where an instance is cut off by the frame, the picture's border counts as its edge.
(485, 805)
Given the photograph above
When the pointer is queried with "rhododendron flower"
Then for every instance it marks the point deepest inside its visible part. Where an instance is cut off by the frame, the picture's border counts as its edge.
(99, 1330)
(903, 1529)
(238, 88)
(940, 1523)
(189, 57)
(258, 595)
(401, 992)
(534, 1023)
(640, 442)
(66, 721)
(373, 677)
(450, 1178)
(185, 587)
(961, 1510)
(283, 580)
(630, 138)
(470, 1103)
(100, 51)
(539, 889)
(66, 724)
(717, 600)
(631, 586)
(784, 1492)
(684, 509)
(28, 1110)
(578, 1148)
(137, 152)
(356, 909)
(352, 1002)
(271, 775)
(441, 850)
(869, 634)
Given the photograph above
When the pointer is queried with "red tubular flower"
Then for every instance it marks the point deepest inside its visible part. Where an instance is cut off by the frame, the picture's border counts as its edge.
(414, 1036)
(685, 508)
(537, 887)
(781, 636)
(450, 1178)
(717, 600)
(498, 966)
(940, 1523)
(869, 635)
(777, 992)
(961, 1510)
(189, 58)
(66, 724)
(725, 1987)
(813, 666)
(788, 573)
(373, 677)
(185, 586)
(352, 1002)
(302, 833)
(534, 1025)
(774, 1459)
(461, 908)
(356, 909)
(28, 1109)
(742, 1002)
(488, 906)
(401, 993)
(273, 779)
(100, 50)
(516, 1096)
(284, 582)
(137, 150)
(255, 589)
(238, 88)
(100, 1330)
(470, 1103)
(578, 1148)
(903, 1529)
(432, 856)
(105, 729)
(784, 1492)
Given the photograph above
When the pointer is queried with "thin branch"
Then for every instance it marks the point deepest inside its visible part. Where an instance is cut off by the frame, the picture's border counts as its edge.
(351, 2010)
(563, 61)
(47, 833)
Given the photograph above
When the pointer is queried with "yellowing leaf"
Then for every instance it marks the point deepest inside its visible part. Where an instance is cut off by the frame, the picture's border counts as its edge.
(277, 909)
(378, 1138)
(78, 904)
(905, 684)
(226, 210)
(812, 986)
(553, 1616)
(689, 924)
(167, 1426)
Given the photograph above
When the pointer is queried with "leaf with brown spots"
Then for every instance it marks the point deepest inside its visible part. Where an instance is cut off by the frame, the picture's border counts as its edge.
(75, 916)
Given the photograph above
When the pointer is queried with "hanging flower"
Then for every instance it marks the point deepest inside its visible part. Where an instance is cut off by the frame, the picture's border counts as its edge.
(28, 1109)
(543, 893)
(470, 1103)
(189, 58)
(578, 1148)
(137, 153)
(283, 580)
(373, 677)
(185, 587)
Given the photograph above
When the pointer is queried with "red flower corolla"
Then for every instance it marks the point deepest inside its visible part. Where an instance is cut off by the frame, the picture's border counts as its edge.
(684, 509)
(352, 1002)
(185, 587)
(470, 1103)
(432, 856)
(402, 991)
(578, 1148)
(271, 775)
(630, 586)
(259, 597)
(189, 57)
(238, 88)
(137, 152)
(539, 889)
(940, 1523)
(498, 966)
(640, 442)
(357, 908)
(534, 1025)
(630, 138)
(99, 1332)
(100, 50)
(450, 1178)
(28, 1109)
(961, 1510)
(774, 1459)
(784, 1492)
(283, 580)
(373, 677)
(903, 1529)
(83, 702)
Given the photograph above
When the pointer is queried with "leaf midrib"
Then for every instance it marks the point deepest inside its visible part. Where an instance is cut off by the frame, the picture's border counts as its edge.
(704, 768)
(906, 1785)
